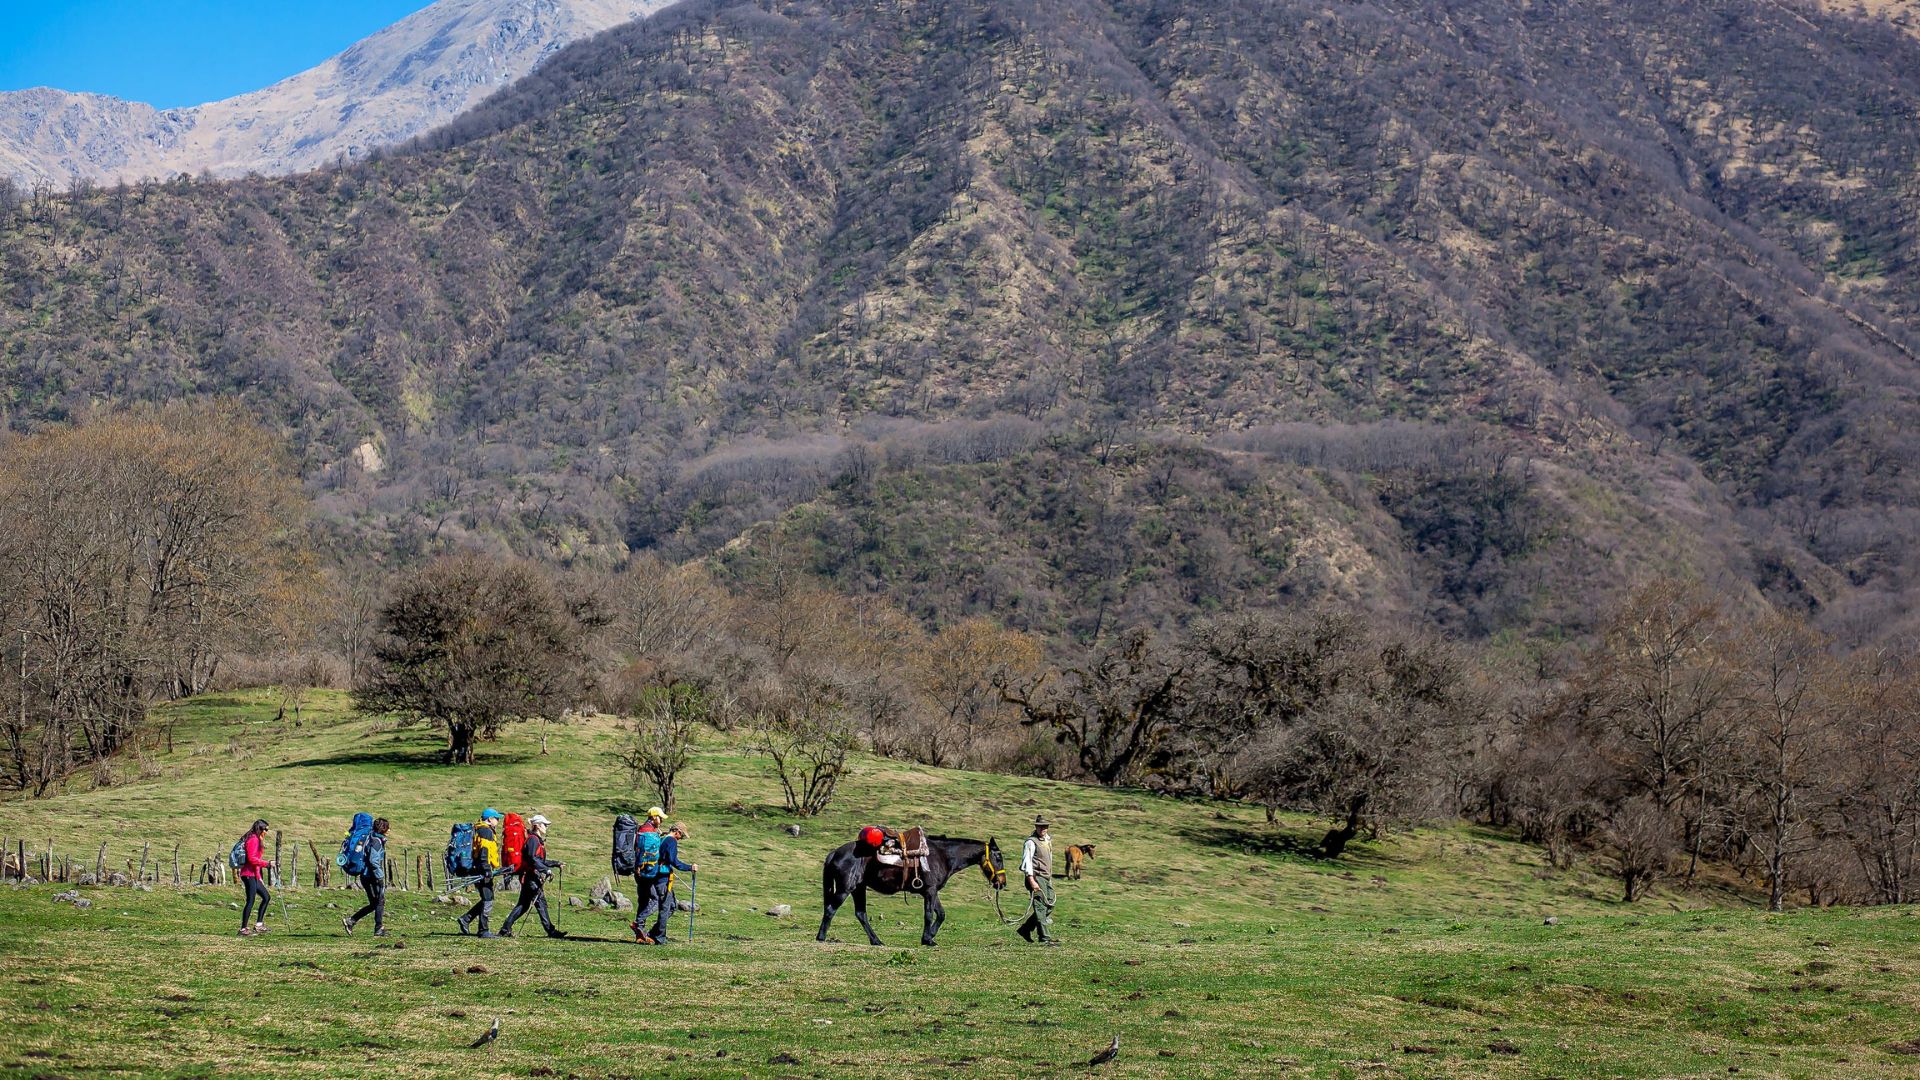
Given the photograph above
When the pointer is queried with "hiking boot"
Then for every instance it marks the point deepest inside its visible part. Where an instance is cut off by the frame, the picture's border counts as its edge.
(1025, 934)
(504, 932)
(556, 933)
(465, 926)
(246, 932)
(381, 932)
(490, 935)
(347, 925)
(259, 928)
(1052, 942)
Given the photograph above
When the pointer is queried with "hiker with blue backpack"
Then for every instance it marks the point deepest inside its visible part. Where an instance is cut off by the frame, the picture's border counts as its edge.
(364, 855)
(484, 863)
(636, 852)
(660, 894)
(249, 859)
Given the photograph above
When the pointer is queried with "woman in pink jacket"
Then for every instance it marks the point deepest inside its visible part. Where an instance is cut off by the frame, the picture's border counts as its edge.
(255, 886)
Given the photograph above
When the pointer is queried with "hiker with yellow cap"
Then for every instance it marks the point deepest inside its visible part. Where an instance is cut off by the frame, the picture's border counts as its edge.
(534, 868)
(646, 864)
(1036, 862)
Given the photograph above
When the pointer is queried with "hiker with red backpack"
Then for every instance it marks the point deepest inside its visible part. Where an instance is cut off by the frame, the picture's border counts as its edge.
(533, 866)
(364, 855)
(249, 858)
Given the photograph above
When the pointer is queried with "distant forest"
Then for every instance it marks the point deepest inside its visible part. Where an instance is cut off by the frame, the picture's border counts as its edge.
(1083, 317)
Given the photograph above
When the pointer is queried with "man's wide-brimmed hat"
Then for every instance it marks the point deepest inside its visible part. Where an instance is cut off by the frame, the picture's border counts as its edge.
(1040, 822)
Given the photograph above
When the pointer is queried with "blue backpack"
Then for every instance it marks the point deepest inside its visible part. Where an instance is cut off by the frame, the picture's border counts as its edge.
(237, 858)
(353, 850)
(647, 854)
(459, 860)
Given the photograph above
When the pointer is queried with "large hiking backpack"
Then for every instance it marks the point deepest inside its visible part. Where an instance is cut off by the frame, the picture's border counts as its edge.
(626, 847)
(513, 840)
(237, 858)
(353, 849)
(647, 863)
(459, 860)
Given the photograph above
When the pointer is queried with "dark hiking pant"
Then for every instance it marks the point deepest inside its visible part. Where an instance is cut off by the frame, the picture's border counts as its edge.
(660, 905)
(482, 908)
(256, 890)
(376, 901)
(532, 897)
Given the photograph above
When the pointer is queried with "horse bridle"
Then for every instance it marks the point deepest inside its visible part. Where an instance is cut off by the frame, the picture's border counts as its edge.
(997, 878)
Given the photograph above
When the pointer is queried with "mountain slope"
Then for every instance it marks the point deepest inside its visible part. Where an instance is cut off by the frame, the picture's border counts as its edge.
(399, 83)
(1462, 312)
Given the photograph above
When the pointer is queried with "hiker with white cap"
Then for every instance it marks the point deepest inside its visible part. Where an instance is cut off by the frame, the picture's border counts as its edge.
(534, 867)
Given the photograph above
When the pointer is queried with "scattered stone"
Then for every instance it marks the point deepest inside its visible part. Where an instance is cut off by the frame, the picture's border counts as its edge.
(335, 907)
(687, 905)
(67, 897)
(575, 901)
(478, 969)
(119, 880)
(621, 903)
(233, 905)
(443, 898)
(780, 911)
(83, 903)
(793, 830)
(143, 886)
(1552, 920)
(1183, 926)
(87, 880)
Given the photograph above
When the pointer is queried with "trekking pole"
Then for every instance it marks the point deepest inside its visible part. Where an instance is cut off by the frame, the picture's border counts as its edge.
(693, 903)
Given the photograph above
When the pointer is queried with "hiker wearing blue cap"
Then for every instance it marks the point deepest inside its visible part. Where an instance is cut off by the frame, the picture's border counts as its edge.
(486, 859)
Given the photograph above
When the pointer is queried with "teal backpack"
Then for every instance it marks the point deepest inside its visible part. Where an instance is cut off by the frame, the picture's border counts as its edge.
(647, 854)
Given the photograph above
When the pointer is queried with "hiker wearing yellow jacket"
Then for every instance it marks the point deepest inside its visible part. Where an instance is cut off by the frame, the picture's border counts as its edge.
(486, 857)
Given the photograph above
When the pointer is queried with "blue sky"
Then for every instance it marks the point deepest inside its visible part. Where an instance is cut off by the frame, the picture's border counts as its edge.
(178, 52)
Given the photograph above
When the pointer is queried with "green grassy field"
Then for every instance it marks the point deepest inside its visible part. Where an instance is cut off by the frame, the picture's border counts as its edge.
(1198, 936)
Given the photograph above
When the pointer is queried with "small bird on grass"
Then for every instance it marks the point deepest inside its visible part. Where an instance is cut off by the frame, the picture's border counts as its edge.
(1112, 1051)
(492, 1034)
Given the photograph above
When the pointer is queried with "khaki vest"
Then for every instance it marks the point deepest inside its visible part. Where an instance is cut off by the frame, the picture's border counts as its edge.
(1043, 857)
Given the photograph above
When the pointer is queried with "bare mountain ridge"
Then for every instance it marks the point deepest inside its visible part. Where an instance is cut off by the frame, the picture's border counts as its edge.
(1081, 314)
(396, 84)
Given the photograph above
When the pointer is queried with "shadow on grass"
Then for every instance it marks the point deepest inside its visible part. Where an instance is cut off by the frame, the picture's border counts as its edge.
(408, 758)
(1272, 842)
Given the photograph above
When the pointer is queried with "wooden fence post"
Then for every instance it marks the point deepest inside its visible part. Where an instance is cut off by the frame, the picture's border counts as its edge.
(176, 864)
(23, 858)
(275, 875)
(293, 865)
(143, 860)
(100, 865)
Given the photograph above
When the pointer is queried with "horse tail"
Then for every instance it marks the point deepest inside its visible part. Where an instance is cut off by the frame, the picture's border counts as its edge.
(829, 877)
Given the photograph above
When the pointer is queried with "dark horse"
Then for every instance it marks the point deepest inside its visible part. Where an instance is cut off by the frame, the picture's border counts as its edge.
(851, 868)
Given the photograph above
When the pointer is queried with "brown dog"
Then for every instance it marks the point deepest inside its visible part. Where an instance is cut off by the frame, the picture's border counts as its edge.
(1078, 855)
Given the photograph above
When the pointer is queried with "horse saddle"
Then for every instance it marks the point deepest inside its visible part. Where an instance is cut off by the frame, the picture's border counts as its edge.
(906, 849)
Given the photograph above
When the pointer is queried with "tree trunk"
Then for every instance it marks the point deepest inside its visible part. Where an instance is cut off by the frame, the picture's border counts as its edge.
(459, 743)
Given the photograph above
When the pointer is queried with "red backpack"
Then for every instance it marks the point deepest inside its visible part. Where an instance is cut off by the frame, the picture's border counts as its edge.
(513, 841)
